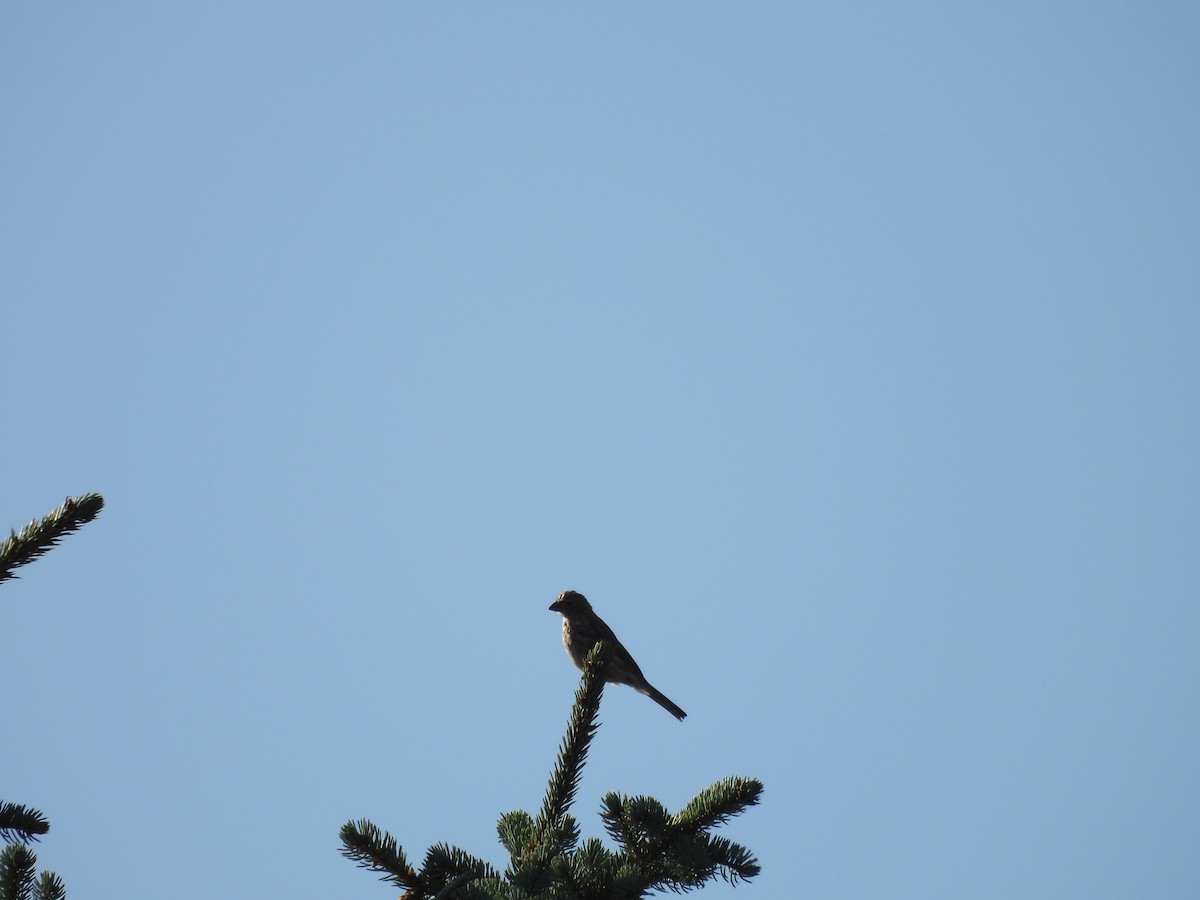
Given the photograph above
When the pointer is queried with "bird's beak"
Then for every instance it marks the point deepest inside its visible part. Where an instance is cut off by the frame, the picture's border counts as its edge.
(554, 606)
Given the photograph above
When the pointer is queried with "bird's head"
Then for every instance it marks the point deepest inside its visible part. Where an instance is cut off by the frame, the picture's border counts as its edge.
(570, 602)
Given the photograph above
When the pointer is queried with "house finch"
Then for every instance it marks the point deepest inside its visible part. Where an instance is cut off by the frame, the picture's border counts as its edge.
(582, 628)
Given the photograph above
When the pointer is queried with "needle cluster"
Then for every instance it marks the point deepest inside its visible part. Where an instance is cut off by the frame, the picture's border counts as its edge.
(656, 850)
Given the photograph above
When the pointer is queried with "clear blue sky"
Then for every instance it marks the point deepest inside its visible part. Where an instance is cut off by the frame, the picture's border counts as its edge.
(846, 356)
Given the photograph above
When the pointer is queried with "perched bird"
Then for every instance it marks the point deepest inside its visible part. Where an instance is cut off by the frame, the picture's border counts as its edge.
(582, 628)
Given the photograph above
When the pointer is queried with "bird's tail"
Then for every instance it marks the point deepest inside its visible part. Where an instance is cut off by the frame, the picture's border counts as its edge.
(662, 700)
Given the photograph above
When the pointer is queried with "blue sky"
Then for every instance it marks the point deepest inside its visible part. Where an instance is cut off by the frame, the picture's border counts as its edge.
(846, 358)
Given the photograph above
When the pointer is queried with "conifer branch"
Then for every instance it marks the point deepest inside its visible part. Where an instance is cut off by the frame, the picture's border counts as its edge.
(38, 537)
(572, 753)
(20, 823)
(555, 832)
(453, 884)
(718, 803)
(659, 850)
(676, 852)
(733, 861)
(445, 865)
(516, 832)
(50, 887)
(376, 850)
(17, 872)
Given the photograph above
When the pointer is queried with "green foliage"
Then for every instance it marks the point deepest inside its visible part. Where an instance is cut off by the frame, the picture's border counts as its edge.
(446, 867)
(718, 803)
(375, 849)
(516, 831)
(18, 872)
(657, 849)
(19, 879)
(676, 851)
(38, 537)
(20, 824)
(49, 887)
(572, 752)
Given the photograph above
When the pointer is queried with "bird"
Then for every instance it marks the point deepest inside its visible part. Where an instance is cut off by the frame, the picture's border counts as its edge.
(582, 628)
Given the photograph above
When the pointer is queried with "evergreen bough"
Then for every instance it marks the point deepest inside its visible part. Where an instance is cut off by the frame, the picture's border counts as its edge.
(657, 849)
(38, 537)
(19, 825)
